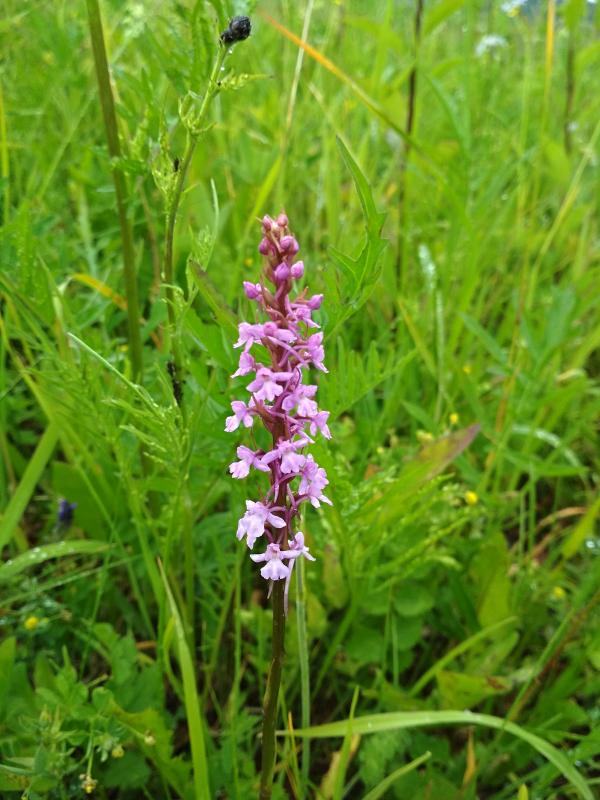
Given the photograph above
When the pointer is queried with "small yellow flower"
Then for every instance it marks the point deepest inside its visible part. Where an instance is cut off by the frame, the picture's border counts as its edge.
(117, 751)
(31, 623)
(471, 498)
(88, 784)
(558, 593)
(149, 739)
(424, 437)
(454, 418)
(467, 369)
(248, 262)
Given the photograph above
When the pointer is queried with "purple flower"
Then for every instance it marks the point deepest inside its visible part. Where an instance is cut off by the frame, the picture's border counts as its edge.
(298, 548)
(290, 460)
(252, 524)
(265, 386)
(248, 458)
(253, 290)
(249, 334)
(275, 569)
(241, 414)
(247, 364)
(286, 405)
(313, 481)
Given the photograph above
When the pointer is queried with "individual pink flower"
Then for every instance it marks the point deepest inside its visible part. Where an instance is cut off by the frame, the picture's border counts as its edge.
(249, 335)
(252, 524)
(247, 364)
(275, 569)
(266, 385)
(248, 458)
(290, 459)
(241, 414)
(297, 548)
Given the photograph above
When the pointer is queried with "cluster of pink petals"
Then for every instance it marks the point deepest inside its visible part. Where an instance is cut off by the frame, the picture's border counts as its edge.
(285, 405)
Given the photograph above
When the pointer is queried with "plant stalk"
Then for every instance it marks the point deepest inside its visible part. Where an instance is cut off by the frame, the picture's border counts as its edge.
(114, 148)
(272, 693)
(409, 127)
(173, 207)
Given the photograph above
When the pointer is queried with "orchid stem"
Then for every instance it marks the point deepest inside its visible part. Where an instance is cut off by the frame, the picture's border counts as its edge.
(272, 693)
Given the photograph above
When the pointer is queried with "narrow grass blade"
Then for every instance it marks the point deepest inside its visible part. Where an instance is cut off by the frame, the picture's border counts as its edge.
(377, 723)
(35, 467)
(57, 550)
(191, 700)
(387, 782)
(458, 650)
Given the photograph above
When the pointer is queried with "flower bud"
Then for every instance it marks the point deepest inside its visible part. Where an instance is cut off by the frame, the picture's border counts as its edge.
(282, 220)
(267, 223)
(289, 245)
(252, 290)
(314, 302)
(297, 270)
(281, 273)
(263, 247)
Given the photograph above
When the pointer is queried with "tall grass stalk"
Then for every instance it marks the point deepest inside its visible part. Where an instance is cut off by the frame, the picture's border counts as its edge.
(192, 137)
(114, 148)
(408, 127)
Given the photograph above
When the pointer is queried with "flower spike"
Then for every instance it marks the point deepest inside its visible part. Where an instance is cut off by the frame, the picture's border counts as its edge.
(283, 401)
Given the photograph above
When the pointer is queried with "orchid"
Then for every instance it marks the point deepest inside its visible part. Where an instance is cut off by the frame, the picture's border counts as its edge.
(285, 404)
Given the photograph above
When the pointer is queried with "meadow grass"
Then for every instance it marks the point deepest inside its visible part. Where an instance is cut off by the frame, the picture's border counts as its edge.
(446, 642)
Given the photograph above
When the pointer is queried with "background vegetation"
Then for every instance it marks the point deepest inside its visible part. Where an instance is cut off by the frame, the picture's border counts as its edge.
(457, 573)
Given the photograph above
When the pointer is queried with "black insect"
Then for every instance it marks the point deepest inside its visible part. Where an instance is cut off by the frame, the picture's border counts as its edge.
(238, 30)
(175, 382)
(175, 164)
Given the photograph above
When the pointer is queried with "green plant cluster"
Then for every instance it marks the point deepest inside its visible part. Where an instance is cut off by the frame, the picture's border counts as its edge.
(445, 644)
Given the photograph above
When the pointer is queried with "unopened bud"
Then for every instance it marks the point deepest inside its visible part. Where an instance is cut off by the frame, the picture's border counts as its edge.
(282, 272)
(289, 245)
(297, 269)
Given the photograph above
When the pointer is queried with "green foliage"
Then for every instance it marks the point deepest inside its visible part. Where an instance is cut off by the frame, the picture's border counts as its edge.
(454, 596)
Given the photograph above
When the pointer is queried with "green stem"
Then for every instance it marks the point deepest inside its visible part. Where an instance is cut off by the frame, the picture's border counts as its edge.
(272, 693)
(409, 127)
(114, 148)
(304, 670)
(173, 207)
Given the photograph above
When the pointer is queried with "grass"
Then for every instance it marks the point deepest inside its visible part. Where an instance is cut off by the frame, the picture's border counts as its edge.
(460, 269)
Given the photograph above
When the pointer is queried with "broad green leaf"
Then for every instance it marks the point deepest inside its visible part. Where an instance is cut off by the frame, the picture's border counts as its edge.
(466, 691)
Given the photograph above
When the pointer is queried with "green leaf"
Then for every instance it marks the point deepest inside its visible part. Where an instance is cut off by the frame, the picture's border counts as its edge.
(385, 784)
(439, 13)
(38, 555)
(581, 531)
(465, 691)
(413, 599)
(33, 472)
(431, 460)
(361, 273)
(398, 720)
(192, 701)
